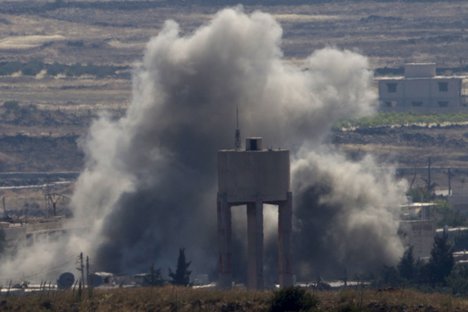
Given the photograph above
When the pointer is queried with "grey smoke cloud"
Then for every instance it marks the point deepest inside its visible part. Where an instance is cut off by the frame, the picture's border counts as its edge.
(346, 214)
(149, 182)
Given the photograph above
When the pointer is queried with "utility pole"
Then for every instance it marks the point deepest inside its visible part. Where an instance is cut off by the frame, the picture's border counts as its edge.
(429, 180)
(5, 214)
(54, 205)
(87, 271)
(81, 268)
(88, 280)
(46, 198)
(449, 174)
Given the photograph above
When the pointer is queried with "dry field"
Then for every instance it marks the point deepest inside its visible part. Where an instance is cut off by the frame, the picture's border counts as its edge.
(186, 299)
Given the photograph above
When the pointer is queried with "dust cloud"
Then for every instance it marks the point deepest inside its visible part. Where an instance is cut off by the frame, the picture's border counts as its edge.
(149, 182)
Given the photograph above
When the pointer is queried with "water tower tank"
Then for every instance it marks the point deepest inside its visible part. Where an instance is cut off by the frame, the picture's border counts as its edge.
(245, 175)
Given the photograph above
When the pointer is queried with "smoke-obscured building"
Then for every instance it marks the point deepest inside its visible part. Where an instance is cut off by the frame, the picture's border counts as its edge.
(420, 90)
(18, 235)
(417, 228)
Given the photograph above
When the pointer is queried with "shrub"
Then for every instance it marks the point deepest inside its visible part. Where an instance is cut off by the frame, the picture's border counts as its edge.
(32, 67)
(349, 307)
(458, 280)
(11, 105)
(293, 299)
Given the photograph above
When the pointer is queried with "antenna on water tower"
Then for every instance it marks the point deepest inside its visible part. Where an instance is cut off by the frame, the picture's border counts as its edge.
(237, 140)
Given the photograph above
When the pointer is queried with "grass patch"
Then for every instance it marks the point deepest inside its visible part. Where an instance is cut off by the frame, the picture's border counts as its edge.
(34, 67)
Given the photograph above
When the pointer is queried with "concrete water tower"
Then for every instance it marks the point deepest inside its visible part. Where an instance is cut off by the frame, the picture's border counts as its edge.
(254, 177)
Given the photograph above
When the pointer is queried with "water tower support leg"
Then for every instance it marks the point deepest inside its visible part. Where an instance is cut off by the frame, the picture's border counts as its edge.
(284, 242)
(255, 245)
(224, 237)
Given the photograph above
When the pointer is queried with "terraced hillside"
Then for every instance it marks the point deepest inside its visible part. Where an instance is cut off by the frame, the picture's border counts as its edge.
(64, 62)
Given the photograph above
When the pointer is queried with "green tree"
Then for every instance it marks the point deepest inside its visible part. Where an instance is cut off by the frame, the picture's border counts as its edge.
(406, 265)
(441, 261)
(182, 274)
(155, 277)
(420, 194)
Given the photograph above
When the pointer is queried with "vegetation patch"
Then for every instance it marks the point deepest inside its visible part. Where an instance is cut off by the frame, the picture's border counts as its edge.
(293, 299)
(403, 120)
(34, 67)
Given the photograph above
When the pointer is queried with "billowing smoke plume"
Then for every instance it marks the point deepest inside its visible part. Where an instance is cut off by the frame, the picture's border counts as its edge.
(149, 185)
(344, 214)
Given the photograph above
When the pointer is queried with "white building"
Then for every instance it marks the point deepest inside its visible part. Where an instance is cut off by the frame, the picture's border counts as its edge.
(420, 90)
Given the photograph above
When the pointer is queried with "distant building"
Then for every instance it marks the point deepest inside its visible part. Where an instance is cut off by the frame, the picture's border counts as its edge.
(26, 234)
(420, 90)
(417, 228)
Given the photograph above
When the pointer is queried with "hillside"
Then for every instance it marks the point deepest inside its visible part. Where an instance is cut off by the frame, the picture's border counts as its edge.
(62, 63)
